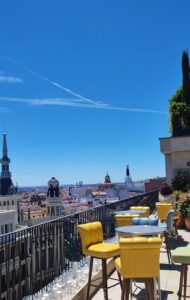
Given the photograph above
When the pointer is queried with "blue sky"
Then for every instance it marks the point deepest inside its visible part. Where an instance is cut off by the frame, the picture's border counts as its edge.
(84, 86)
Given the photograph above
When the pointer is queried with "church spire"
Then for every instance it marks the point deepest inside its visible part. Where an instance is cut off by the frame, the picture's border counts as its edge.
(5, 160)
(6, 185)
(4, 145)
(127, 171)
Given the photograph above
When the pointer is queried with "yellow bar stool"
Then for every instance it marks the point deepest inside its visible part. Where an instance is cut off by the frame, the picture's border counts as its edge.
(139, 259)
(145, 208)
(92, 245)
(163, 209)
(181, 255)
(125, 220)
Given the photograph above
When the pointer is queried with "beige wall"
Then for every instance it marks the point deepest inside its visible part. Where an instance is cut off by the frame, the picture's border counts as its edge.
(177, 154)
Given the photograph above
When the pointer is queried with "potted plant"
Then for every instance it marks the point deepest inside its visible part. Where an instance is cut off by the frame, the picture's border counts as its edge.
(187, 218)
(183, 214)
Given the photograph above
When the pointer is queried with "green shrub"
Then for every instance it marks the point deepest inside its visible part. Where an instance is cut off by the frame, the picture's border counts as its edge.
(184, 208)
(181, 181)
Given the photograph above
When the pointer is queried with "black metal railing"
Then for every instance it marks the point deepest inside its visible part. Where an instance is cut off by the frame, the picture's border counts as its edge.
(31, 258)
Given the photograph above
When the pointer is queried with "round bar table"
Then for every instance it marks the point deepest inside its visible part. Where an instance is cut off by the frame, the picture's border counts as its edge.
(135, 230)
(129, 212)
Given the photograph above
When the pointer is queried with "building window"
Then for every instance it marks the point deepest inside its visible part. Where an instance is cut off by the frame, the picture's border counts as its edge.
(13, 202)
(2, 229)
(3, 283)
(11, 227)
(23, 253)
(12, 251)
(2, 256)
(57, 211)
(6, 228)
(4, 202)
(23, 272)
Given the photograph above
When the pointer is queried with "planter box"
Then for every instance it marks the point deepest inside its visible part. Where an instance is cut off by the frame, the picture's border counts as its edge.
(187, 223)
(180, 222)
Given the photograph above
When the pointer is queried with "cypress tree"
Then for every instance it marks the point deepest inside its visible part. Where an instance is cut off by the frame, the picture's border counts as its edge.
(186, 77)
(180, 103)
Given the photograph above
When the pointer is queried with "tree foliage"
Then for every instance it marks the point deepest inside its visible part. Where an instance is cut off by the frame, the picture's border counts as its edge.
(179, 108)
(186, 77)
(181, 181)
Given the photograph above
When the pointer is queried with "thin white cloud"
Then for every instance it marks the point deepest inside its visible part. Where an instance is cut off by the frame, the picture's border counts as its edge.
(79, 101)
(75, 103)
(54, 83)
(10, 79)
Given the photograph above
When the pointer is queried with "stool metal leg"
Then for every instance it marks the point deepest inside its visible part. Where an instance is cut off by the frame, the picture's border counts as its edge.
(159, 288)
(152, 295)
(131, 288)
(120, 281)
(147, 291)
(185, 281)
(181, 282)
(123, 289)
(104, 274)
(155, 290)
(89, 277)
(150, 283)
(167, 247)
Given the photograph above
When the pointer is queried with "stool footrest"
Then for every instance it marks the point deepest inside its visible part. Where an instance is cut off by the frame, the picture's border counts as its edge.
(104, 287)
(102, 277)
(102, 284)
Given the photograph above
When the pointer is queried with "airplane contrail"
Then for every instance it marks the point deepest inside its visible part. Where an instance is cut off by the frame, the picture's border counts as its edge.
(80, 102)
(74, 103)
(54, 83)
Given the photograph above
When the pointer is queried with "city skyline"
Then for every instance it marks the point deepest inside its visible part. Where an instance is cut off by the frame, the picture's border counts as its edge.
(87, 93)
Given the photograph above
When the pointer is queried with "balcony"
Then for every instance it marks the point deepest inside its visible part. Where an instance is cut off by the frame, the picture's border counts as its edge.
(54, 248)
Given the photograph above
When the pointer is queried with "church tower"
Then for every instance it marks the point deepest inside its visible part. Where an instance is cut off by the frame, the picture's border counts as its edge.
(127, 171)
(6, 185)
(53, 201)
(128, 179)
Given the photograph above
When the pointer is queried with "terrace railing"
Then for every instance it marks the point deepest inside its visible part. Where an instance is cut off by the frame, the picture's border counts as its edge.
(31, 258)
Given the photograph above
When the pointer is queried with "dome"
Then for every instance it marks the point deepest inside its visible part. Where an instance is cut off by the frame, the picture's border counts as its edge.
(53, 190)
(53, 182)
(107, 179)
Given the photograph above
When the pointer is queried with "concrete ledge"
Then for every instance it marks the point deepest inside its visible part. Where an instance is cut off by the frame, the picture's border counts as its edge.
(174, 144)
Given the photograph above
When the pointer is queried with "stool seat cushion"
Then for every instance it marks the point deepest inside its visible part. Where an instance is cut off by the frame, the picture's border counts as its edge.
(181, 255)
(103, 250)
